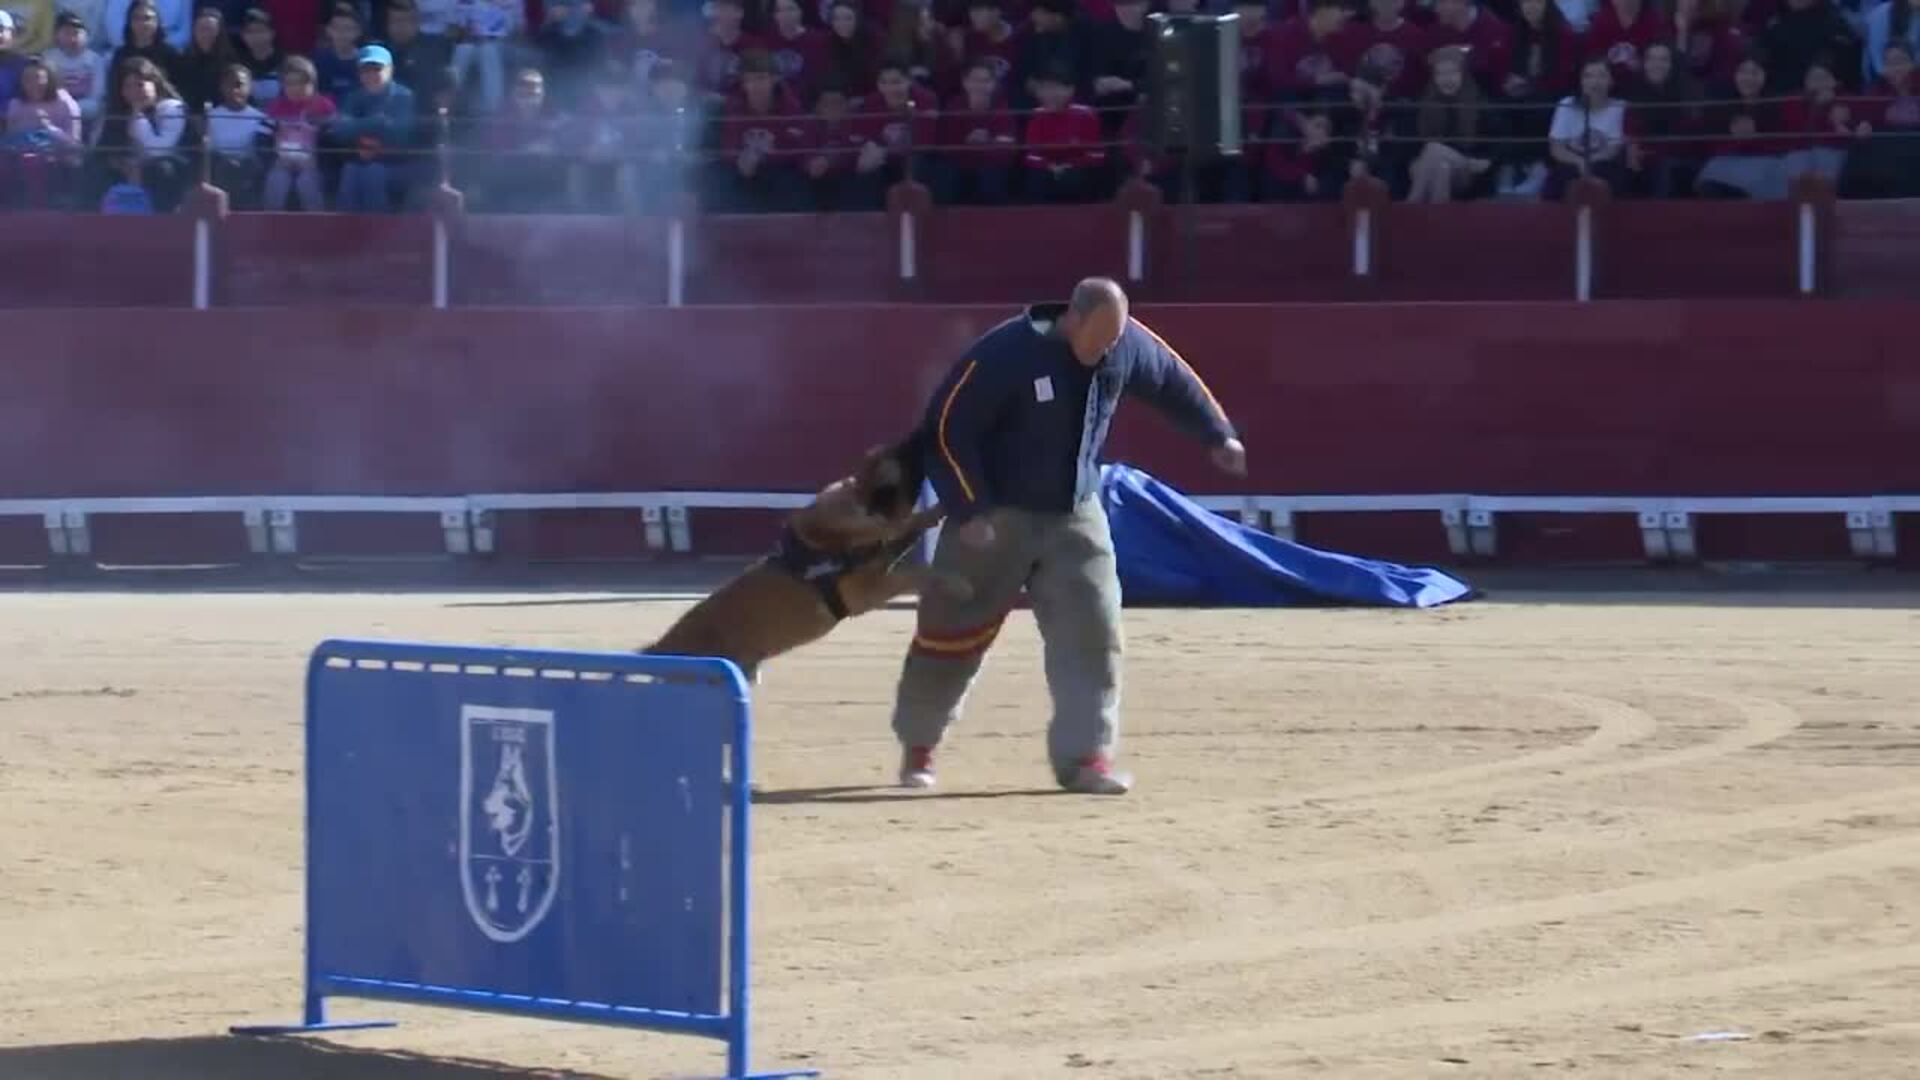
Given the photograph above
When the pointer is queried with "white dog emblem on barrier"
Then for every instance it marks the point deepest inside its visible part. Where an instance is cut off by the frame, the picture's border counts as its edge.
(509, 818)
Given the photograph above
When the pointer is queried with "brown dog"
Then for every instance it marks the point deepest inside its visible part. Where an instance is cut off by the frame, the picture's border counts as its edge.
(837, 557)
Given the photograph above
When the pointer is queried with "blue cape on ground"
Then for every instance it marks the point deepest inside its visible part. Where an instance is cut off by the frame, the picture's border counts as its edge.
(1173, 552)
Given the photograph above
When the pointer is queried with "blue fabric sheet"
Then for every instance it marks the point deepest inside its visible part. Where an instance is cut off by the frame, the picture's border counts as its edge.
(1173, 552)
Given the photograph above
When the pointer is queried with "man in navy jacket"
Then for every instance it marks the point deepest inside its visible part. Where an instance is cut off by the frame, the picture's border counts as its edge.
(1014, 435)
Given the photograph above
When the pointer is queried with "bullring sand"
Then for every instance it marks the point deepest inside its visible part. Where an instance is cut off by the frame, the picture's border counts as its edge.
(1531, 836)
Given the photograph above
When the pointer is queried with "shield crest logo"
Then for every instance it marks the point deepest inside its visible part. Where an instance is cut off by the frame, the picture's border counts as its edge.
(509, 818)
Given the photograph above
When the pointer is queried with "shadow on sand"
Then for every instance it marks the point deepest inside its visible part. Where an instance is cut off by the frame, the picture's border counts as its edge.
(219, 1057)
(868, 793)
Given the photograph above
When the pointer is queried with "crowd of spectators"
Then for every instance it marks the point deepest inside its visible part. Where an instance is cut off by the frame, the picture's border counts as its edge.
(612, 105)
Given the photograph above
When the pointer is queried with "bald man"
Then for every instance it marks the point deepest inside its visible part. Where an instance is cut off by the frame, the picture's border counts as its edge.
(1014, 435)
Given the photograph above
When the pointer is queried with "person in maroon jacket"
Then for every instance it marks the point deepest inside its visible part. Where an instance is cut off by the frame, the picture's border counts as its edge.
(763, 136)
(798, 51)
(1065, 159)
(721, 48)
(1888, 167)
(1744, 142)
(834, 144)
(1387, 45)
(1664, 117)
(989, 38)
(1539, 70)
(1621, 31)
(1470, 26)
(1307, 165)
(1707, 36)
(1256, 40)
(852, 53)
(893, 129)
(1302, 63)
(1820, 127)
(978, 142)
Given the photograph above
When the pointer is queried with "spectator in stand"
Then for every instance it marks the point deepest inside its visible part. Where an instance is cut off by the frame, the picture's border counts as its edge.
(828, 168)
(1540, 71)
(798, 51)
(261, 56)
(80, 71)
(376, 124)
(991, 39)
(721, 48)
(1888, 22)
(1304, 65)
(298, 115)
(979, 143)
(1449, 123)
(1888, 167)
(11, 61)
(642, 39)
(1388, 46)
(1486, 39)
(338, 62)
(1305, 164)
(667, 135)
(1745, 149)
(519, 169)
(41, 152)
(895, 128)
(1380, 137)
(1706, 34)
(852, 54)
(916, 40)
(480, 30)
(238, 137)
(1588, 137)
(573, 48)
(1121, 51)
(1820, 128)
(420, 59)
(146, 118)
(1621, 31)
(141, 39)
(170, 24)
(32, 25)
(203, 63)
(1578, 13)
(763, 135)
(1663, 117)
(1256, 42)
(1803, 32)
(600, 146)
(1054, 45)
(1065, 161)
(297, 24)
(126, 193)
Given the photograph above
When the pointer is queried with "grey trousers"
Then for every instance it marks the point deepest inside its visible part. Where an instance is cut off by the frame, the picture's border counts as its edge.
(1065, 563)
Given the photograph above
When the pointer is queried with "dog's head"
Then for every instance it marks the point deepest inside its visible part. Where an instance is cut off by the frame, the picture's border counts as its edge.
(890, 478)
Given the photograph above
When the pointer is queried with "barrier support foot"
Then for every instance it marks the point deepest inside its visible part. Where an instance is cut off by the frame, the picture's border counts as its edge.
(324, 1025)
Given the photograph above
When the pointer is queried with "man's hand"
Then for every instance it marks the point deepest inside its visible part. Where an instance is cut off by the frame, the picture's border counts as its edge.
(1230, 457)
(975, 533)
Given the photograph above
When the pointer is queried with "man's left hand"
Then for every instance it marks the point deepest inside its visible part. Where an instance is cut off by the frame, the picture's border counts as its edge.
(1231, 457)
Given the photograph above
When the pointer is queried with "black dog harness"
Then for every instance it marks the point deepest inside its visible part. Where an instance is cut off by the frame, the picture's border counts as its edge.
(823, 570)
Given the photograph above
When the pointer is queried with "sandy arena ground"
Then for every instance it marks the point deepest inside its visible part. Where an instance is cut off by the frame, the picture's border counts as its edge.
(1529, 836)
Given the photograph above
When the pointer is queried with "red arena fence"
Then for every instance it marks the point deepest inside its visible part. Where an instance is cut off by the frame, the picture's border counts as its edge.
(1539, 431)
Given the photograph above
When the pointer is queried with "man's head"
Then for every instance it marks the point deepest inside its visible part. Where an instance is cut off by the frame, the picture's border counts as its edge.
(1096, 316)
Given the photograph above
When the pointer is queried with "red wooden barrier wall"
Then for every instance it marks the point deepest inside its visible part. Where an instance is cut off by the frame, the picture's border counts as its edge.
(1652, 398)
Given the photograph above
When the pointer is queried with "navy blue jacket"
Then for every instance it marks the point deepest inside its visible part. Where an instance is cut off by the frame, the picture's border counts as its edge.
(1020, 422)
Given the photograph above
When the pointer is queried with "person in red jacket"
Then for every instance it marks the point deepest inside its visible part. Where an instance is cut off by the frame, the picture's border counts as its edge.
(894, 128)
(1888, 166)
(1256, 44)
(1744, 142)
(722, 47)
(1387, 46)
(763, 136)
(978, 143)
(1470, 26)
(1621, 31)
(798, 51)
(1302, 61)
(1064, 158)
(1707, 36)
(1820, 127)
(988, 38)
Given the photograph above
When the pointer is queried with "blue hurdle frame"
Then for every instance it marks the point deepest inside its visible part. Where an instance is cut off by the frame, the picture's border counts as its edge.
(730, 1027)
